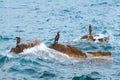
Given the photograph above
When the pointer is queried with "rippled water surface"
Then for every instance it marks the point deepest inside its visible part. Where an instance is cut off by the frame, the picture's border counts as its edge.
(41, 19)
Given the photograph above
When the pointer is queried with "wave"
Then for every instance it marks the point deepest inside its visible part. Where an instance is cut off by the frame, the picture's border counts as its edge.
(43, 51)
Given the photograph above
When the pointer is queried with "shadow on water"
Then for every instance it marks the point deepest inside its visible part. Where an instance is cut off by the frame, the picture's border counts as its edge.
(5, 38)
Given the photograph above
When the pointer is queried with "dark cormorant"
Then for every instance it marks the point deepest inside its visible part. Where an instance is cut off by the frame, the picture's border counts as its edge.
(90, 29)
(57, 37)
(90, 36)
(17, 41)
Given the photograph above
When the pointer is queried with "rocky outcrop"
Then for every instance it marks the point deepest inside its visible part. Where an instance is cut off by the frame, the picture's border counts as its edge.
(75, 52)
(100, 53)
(18, 49)
(66, 49)
(69, 50)
(100, 38)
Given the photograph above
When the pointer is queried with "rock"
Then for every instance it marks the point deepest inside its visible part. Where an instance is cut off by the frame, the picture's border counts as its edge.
(100, 53)
(100, 38)
(18, 49)
(69, 50)
(75, 52)
(66, 49)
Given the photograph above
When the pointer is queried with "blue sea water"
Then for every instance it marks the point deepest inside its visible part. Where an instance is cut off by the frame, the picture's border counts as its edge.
(41, 19)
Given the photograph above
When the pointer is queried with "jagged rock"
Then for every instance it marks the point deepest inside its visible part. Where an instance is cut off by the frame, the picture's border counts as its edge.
(69, 50)
(22, 46)
(100, 53)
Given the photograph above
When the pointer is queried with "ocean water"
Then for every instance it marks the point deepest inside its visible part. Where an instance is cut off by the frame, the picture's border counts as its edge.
(41, 19)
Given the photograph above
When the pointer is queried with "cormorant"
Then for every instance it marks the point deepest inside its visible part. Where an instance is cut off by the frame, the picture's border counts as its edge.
(90, 36)
(90, 29)
(18, 41)
(57, 37)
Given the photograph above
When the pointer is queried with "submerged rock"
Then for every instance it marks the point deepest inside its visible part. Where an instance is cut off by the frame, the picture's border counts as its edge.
(18, 49)
(100, 53)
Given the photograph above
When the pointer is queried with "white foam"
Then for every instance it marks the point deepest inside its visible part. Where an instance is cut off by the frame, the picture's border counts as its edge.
(7, 54)
(43, 51)
(77, 39)
(100, 59)
(100, 36)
